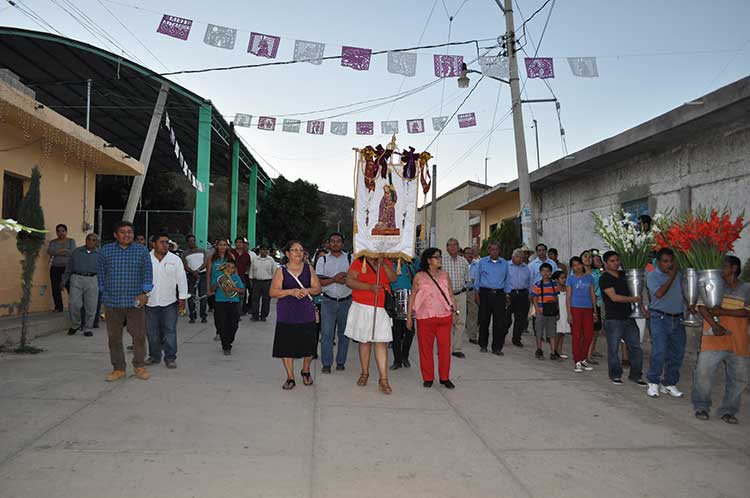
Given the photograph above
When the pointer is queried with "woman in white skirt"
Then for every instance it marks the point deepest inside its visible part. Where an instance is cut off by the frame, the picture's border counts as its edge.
(365, 309)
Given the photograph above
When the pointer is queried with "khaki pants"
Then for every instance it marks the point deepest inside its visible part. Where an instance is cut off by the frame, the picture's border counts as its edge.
(136, 325)
(459, 323)
(472, 316)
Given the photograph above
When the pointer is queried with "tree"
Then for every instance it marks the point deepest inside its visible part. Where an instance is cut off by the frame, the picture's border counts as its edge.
(291, 210)
(746, 274)
(508, 237)
(29, 244)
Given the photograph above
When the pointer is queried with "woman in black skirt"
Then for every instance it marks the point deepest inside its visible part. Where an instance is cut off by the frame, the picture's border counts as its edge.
(294, 285)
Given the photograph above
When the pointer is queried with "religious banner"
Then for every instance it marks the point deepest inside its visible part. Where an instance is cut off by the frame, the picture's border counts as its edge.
(315, 127)
(404, 63)
(495, 66)
(439, 122)
(219, 36)
(266, 123)
(389, 127)
(176, 27)
(339, 127)
(263, 45)
(307, 51)
(242, 119)
(466, 120)
(415, 125)
(385, 201)
(356, 58)
(290, 125)
(539, 67)
(448, 66)
(583, 67)
(365, 127)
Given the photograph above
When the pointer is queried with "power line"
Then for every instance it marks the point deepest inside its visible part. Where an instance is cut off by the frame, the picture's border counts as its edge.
(36, 18)
(456, 111)
(523, 26)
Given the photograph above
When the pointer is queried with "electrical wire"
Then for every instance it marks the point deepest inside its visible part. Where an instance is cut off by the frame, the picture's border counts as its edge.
(36, 18)
(456, 111)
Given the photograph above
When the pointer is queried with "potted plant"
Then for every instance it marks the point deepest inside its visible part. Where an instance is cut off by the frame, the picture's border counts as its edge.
(622, 234)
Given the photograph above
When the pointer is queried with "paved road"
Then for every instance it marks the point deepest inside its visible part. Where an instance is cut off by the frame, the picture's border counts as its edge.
(222, 427)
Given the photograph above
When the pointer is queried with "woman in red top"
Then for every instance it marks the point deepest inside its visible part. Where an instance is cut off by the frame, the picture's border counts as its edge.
(365, 310)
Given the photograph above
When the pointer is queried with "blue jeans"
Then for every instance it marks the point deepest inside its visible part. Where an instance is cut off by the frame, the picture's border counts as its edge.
(704, 375)
(667, 349)
(333, 319)
(161, 329)
(625, 330)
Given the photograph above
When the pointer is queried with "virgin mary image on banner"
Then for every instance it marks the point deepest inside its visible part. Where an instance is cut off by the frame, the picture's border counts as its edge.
(386, 224)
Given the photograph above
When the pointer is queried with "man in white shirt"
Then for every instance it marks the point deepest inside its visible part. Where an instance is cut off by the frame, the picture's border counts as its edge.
(332, 270)
(262, 269)
(164, 303)
(458, 271)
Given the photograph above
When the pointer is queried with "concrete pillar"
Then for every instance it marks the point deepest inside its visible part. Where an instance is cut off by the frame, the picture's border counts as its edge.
(234, 189)
(252, 204)
(204, 175)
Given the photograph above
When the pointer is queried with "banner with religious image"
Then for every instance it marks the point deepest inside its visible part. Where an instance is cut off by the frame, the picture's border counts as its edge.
(385, 201)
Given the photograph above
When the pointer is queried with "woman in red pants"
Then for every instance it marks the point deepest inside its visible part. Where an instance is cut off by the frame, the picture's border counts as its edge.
(431, 303)
(581, 300)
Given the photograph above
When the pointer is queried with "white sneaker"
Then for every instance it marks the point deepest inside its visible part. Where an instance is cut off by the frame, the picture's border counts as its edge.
(578, 368)
(671, 390)
(563, 356)
(586, 366)
(653, 390)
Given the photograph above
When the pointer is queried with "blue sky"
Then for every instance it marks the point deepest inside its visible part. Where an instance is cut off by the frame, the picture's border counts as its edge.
(652, 57)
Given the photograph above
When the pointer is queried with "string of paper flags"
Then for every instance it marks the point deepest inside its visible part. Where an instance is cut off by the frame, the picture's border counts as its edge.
(357, 58)
(197, 184)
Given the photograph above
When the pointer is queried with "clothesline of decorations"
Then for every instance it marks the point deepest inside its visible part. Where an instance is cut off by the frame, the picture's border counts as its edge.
(357, 58)
(341, 128)
(198, 185)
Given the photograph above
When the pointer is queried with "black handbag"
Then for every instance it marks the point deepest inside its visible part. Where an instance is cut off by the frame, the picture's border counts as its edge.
(390, 305)
(549, 309)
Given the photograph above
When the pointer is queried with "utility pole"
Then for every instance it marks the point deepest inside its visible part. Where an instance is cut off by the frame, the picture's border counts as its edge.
(433, 208)
(528, 220)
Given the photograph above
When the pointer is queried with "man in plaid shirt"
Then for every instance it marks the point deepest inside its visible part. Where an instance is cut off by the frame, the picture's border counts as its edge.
(125, 279)
(458, 271)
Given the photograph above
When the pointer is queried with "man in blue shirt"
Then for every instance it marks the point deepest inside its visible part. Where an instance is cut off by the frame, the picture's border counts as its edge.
(667, 330)
(125, 279)
(541, 258)
(491, 291)
(519, 277)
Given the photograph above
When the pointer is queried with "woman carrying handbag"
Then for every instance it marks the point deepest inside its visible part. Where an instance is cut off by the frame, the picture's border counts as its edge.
(432, 304)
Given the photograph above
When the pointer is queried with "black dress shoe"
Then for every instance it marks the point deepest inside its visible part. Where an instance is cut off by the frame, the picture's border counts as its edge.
(473, 341)
(72, 331)
(701, 415)
(498, 353)
(448, 384)
(340, 367)
(518, 344)
(204, 320)
(325, 370)
(192, 320)
(88, 333)
(405, 362)
(395, 366)
(458, 354)
(427, 383)
(482, 350)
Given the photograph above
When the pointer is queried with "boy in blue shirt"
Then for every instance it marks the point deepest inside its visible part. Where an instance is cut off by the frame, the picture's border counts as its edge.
(227, 308)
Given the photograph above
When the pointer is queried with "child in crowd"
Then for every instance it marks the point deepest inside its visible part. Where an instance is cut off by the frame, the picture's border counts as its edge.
(544, 295)
(227, 306)
(563, 324)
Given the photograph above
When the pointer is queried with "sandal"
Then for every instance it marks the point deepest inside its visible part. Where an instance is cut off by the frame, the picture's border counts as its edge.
(306, 378)
(730, 419)
(385, 387)
(289, 384)
(362, 381)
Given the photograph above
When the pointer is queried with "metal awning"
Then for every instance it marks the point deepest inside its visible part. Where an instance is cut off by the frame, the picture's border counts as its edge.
(123, 95)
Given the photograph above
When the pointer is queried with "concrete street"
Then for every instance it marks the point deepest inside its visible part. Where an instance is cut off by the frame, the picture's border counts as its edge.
(222, 427)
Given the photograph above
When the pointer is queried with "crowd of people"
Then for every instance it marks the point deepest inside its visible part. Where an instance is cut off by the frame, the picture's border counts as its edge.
(325, 301)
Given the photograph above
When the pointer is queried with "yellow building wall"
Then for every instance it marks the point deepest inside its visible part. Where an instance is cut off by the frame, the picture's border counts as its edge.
(508, 207)
(62, 202)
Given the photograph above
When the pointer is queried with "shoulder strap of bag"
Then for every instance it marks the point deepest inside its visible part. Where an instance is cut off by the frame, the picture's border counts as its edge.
(297, 280)
(441, 291)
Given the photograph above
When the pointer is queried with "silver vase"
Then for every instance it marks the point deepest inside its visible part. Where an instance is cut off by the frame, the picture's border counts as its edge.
(710, 287)
(689, 283)
(636, 280)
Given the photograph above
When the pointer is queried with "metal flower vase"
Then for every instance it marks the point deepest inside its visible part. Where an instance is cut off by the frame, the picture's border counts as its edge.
(689, 282)
(710, 287)
(636, 280)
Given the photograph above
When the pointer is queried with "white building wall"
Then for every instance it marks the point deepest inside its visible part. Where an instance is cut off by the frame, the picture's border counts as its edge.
(712, 171)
